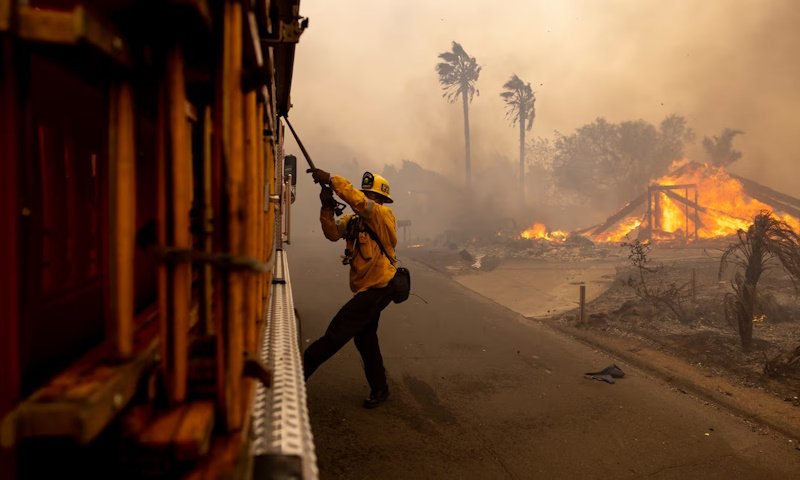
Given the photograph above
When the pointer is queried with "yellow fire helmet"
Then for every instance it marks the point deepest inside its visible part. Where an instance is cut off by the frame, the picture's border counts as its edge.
(371, 182)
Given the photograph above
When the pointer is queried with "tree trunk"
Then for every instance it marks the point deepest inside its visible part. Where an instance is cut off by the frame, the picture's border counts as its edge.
(744, 313)
(747, 292)
(522, 120)
(467, 153)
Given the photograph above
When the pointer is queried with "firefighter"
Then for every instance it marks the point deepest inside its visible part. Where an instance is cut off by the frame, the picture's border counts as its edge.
(371, 237)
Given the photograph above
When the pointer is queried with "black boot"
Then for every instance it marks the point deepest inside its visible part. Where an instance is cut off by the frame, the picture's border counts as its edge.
(376, 398)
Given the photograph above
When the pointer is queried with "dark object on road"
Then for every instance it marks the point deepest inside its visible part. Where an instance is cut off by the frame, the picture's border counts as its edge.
(607, 374)
(490, 262)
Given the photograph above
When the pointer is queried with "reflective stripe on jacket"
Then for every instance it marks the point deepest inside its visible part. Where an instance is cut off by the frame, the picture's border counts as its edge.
(369, 267)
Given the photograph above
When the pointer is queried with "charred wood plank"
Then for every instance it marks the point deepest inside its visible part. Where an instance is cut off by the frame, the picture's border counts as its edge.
(622, 213)
(779, 201)
(666, 188)
(685, 201)
(688, 203)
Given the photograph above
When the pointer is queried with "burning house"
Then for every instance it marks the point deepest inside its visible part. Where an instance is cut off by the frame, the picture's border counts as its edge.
(694, 201)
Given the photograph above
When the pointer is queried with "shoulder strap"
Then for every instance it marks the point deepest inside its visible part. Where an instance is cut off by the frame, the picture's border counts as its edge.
(377, 240)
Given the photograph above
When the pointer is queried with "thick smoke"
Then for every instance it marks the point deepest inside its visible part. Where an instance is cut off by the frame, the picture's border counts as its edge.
(366, 95)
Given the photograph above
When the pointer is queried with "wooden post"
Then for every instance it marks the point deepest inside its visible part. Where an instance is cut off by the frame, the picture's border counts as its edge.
(657, 209)
(206, 309)
(582, 302)
(162, 223)
(269, 212)
(696, 215)
(686, 214)
(9, 241)
(259, 210)
(181, 206)
(650, 212)
(251, 217)
(231, 334)
(174, 202)
(122, 198)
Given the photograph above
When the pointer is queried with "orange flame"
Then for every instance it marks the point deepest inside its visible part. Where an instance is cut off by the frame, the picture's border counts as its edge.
(723, 207)
(624, 229)
(539, 230)
(727, 207)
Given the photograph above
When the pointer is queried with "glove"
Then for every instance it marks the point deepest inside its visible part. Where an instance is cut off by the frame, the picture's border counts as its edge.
(320, 176)
(326, 198)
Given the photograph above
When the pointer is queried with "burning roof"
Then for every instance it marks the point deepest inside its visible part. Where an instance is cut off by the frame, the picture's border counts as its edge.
(695, 201)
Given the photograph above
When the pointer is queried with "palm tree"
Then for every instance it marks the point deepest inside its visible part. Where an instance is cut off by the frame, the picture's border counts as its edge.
(457, 75)
(520, 99)
(767, 239)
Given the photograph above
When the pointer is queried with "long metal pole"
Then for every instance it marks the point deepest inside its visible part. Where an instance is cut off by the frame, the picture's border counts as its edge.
(300, 144)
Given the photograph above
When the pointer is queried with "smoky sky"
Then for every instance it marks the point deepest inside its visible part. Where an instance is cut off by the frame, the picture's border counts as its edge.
(365, 91)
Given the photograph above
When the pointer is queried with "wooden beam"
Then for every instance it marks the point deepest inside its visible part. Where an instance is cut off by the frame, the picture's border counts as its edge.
(251, 218)
(775, 199)
(184, 431)
(656, 210)
(162, 225)
(122, 196)
(193, 438)
(671, 187)
(229, 454)
(174, 202)
(272, 189)
(259, 210)
(686, 215)
(5, 15)
(252, 44)
(621, 213)
(685, 201)
(206, 292)
(696, 215)
(76, 27)
(219, 114)
(231, 336)
(753, 188)
(9, 218)
(83, 399)
(180, 179)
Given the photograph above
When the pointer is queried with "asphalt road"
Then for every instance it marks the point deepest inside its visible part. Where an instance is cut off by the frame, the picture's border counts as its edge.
(478, 391)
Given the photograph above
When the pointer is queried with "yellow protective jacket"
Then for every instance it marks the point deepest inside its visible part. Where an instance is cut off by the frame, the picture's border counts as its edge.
(369, 267)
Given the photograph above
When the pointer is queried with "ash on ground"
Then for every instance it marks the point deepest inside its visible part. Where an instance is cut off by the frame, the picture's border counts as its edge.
(694, 328)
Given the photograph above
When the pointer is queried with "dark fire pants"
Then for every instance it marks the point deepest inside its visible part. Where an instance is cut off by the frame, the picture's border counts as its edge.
(357, 319)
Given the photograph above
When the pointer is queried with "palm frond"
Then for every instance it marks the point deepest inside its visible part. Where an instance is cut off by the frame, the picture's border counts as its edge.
(520, 100)
(458, 73)
(449, 57)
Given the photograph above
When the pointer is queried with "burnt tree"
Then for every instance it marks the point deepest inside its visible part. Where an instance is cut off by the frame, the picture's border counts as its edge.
(768, 239)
